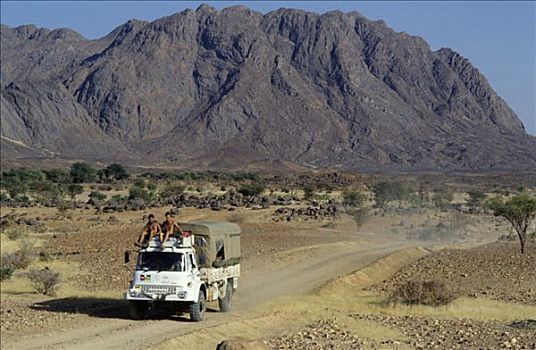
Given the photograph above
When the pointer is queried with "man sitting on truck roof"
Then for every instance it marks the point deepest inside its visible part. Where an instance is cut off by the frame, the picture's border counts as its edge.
(168, 227)
(151, 229)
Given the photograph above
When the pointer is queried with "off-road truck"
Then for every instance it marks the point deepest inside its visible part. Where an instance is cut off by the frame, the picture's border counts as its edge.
(187, 271)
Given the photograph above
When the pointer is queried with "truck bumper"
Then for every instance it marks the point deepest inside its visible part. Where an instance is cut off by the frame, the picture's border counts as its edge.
(156, 297)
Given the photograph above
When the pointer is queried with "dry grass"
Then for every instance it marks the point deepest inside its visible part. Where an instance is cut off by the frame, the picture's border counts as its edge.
(19, 285)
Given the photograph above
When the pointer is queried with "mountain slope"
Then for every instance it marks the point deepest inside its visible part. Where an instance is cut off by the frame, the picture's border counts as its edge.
(209, 87)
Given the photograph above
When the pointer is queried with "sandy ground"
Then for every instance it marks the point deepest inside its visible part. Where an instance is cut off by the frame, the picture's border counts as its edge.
(281, 263)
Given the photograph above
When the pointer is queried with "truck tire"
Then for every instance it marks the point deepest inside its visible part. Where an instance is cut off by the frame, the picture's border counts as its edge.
(225, 303)
(136, 309)
(197, 310)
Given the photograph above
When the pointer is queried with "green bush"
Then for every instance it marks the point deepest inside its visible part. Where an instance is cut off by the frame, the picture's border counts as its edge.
(308, 192)
(58, 176)
(97, 196)
(172, 190)
(353, 198)
(5, 273)
(117, 198)
(82, 172)
(385, 192)
(22, 198)
(251, 190)
(113, 171)
(45, 281)
(74, 189)
(137, 192)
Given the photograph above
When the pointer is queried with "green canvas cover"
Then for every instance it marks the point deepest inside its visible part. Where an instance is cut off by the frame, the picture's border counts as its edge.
(217, 243)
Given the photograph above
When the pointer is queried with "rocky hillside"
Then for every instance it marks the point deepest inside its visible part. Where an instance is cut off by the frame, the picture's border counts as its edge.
(231, 87)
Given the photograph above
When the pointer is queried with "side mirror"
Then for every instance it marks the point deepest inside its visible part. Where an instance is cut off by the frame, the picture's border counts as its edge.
(127, 257)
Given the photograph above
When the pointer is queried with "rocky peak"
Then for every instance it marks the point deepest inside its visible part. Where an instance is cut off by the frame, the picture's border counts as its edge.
(232, 86)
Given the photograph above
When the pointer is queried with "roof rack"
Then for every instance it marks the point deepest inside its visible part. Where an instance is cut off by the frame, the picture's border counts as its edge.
(172, 243)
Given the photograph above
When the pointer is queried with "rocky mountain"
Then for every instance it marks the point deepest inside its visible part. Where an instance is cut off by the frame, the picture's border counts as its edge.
(228, 88)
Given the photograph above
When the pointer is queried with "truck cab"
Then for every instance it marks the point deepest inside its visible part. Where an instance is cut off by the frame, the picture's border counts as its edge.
(187, 271)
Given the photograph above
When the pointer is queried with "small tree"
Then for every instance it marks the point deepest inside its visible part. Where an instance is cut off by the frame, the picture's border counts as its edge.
(251, 190)
(385, 192)
(353, 198)
(45, 281)
(97, 198)
(82, 172)
(73, 190)
(117, 171)
(58, 176)
(519, 211)
(308, 192)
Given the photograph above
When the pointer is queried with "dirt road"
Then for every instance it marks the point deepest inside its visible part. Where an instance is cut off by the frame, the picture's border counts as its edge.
(264, 279)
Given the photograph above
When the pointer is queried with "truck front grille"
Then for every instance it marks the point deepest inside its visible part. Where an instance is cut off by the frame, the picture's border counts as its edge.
(158, 289)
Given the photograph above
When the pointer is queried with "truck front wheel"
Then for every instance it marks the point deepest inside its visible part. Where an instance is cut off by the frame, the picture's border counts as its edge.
(137, 309)
(197, 310)
(225, 302)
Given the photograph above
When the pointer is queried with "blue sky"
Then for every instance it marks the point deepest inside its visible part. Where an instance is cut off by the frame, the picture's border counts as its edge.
(498, 37)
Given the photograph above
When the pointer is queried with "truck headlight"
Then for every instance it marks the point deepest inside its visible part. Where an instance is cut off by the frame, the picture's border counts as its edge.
(135, 291)
(182, 294)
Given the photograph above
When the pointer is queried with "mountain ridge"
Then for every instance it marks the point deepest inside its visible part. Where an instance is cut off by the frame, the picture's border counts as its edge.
(332, 89)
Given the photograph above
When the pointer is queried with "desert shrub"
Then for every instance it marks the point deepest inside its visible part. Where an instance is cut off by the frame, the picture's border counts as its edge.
(385, 192)
(5, 273)
(418, 199)
(112, 172)
(105, 188)
(308, 192)
(21, 198)
(475, 199)
(18, 180)
(251, 190)
(45, 281)
(442, 197)
(424, 292)
(136, 192)
(58, 176)
(45, 256)
(73, 190)
(360, 215)
(20, 259)
(172, 190)
(97, 196)
(117, 198)
(321, 197)
(82, 172)
(63, 210)
(353, 198)
(13, 233)
(237, 217)
(139, 183)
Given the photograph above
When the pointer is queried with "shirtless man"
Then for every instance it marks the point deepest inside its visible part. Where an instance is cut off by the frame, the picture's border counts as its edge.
(152, 228)
(169, 227)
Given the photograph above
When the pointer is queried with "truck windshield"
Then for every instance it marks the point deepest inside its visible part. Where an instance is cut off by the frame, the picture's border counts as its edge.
(158, 261)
